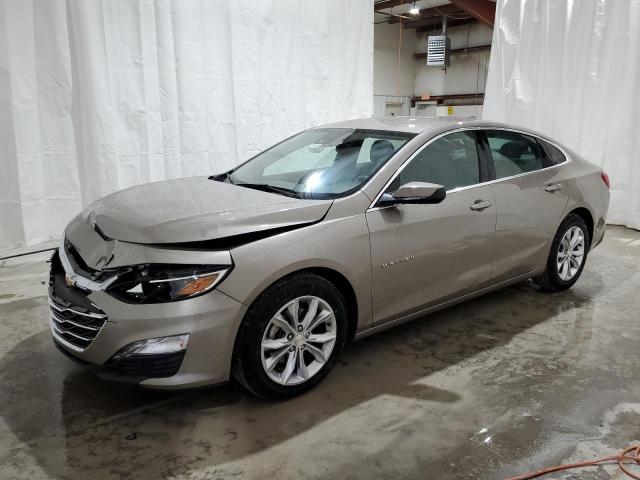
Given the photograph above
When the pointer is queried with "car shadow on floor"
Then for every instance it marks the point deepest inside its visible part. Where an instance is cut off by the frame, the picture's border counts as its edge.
(75, 425)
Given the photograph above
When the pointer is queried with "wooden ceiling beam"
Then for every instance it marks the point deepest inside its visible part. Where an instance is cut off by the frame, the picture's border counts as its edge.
(476, 98)
(389, 4)
(483, 10)
(429, 27)
(479, 48)
(434, 12)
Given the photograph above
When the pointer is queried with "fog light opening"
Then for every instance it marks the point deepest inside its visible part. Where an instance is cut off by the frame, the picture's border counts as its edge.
(155, 346)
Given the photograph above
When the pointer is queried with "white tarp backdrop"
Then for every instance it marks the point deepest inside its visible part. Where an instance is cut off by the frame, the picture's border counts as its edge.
(571, 69)
(96, 96)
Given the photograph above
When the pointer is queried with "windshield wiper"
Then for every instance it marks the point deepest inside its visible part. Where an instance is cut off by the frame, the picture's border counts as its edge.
(265, 187)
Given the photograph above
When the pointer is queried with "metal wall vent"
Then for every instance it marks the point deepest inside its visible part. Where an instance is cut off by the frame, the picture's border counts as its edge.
(438, 49)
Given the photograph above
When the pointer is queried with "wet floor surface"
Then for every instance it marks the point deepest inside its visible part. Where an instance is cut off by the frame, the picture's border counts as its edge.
(513, 381)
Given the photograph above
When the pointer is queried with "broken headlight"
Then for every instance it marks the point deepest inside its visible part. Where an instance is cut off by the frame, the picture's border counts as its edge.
(158, 283)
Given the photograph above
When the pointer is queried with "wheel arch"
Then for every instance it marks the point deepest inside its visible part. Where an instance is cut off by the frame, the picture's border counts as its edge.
(343, 284)
(338, 280)
(586, 215)
(333, 276)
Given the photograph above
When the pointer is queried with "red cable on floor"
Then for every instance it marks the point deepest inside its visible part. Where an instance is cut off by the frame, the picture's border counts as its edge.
(629, 455)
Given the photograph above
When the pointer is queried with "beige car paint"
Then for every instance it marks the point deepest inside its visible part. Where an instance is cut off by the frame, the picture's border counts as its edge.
(523, 234)
(340, 244)
(449, 245)
(194, 209)
(391, 264)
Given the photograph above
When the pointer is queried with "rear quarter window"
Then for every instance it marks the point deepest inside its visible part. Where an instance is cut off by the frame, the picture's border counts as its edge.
(554, 154)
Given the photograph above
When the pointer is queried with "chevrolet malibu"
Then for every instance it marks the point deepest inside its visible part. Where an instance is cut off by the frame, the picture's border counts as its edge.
(267, 271)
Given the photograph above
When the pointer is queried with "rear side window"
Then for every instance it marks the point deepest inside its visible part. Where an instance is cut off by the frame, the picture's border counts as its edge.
(514, 153)
(451, 161)
(555, 156)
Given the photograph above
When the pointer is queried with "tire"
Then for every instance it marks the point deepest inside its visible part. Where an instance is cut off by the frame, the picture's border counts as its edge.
(556, 278)
(259, 328)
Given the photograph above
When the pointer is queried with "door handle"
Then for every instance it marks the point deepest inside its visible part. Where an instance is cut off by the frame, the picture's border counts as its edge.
(480, 205)
(553, 187)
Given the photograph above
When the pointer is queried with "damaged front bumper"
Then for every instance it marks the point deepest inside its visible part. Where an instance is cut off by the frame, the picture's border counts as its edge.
(98, 330)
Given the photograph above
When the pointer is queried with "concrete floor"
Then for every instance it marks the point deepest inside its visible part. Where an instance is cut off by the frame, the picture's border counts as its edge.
(510, 382)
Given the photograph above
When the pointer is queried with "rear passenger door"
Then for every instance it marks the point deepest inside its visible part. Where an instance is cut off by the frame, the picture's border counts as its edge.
(530, 199)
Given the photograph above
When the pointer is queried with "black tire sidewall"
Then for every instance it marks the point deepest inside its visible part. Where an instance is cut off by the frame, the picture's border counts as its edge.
(558, 283)
(258, 317)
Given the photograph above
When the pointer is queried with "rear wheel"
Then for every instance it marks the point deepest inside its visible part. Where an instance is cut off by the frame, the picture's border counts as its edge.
(290, 337)
(567, 256)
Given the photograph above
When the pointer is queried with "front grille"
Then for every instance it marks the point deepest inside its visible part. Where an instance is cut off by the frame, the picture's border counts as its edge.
(76, 327)
(74, 318)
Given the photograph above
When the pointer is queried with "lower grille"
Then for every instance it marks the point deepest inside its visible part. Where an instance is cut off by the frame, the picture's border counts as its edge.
(147, 366)
(76, 327)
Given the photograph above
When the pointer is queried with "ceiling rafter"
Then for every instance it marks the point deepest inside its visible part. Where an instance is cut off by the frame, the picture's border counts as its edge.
(483, 10)
(429, 24)
(434, 12)
(389, 4)
(479, 48)
(451, 24)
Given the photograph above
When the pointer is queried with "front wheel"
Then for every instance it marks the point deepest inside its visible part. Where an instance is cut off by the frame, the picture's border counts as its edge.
(290, 337)
(567, 256)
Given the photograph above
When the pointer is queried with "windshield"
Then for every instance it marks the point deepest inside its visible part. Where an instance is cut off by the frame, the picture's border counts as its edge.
(320, 163)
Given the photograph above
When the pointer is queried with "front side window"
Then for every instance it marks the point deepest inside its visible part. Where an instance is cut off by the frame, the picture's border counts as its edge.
(451, 161)
(514, 153)
(321, 163)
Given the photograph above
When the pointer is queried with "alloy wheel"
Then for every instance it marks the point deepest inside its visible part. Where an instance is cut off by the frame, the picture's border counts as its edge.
(298, 340)
(570, 253)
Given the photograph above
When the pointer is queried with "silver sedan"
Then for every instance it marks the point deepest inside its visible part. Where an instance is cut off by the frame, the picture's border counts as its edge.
(265, 272)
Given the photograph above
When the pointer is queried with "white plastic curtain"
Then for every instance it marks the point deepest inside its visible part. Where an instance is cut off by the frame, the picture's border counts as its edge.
(98, 95)
(571, 69)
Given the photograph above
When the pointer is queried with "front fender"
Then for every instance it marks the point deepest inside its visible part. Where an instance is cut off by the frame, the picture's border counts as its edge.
(340, 244)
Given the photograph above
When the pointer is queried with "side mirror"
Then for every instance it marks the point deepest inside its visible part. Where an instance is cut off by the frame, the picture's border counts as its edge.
(415, 192)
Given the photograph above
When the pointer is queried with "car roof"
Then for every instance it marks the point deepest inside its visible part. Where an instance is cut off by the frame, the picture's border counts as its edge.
(413, 124)
(433, 126)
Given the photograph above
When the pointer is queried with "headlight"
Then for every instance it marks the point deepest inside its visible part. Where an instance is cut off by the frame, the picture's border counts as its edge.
(157, 283)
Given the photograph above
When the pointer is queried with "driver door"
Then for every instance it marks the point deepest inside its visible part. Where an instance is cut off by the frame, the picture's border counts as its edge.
(426, 254)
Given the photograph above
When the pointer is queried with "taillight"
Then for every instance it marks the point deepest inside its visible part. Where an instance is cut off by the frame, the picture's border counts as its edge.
(605, 179)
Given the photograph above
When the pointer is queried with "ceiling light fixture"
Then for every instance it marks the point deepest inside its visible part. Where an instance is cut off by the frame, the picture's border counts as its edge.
(414, 10)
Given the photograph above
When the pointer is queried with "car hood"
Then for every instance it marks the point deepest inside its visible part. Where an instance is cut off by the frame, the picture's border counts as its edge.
(196, 209)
